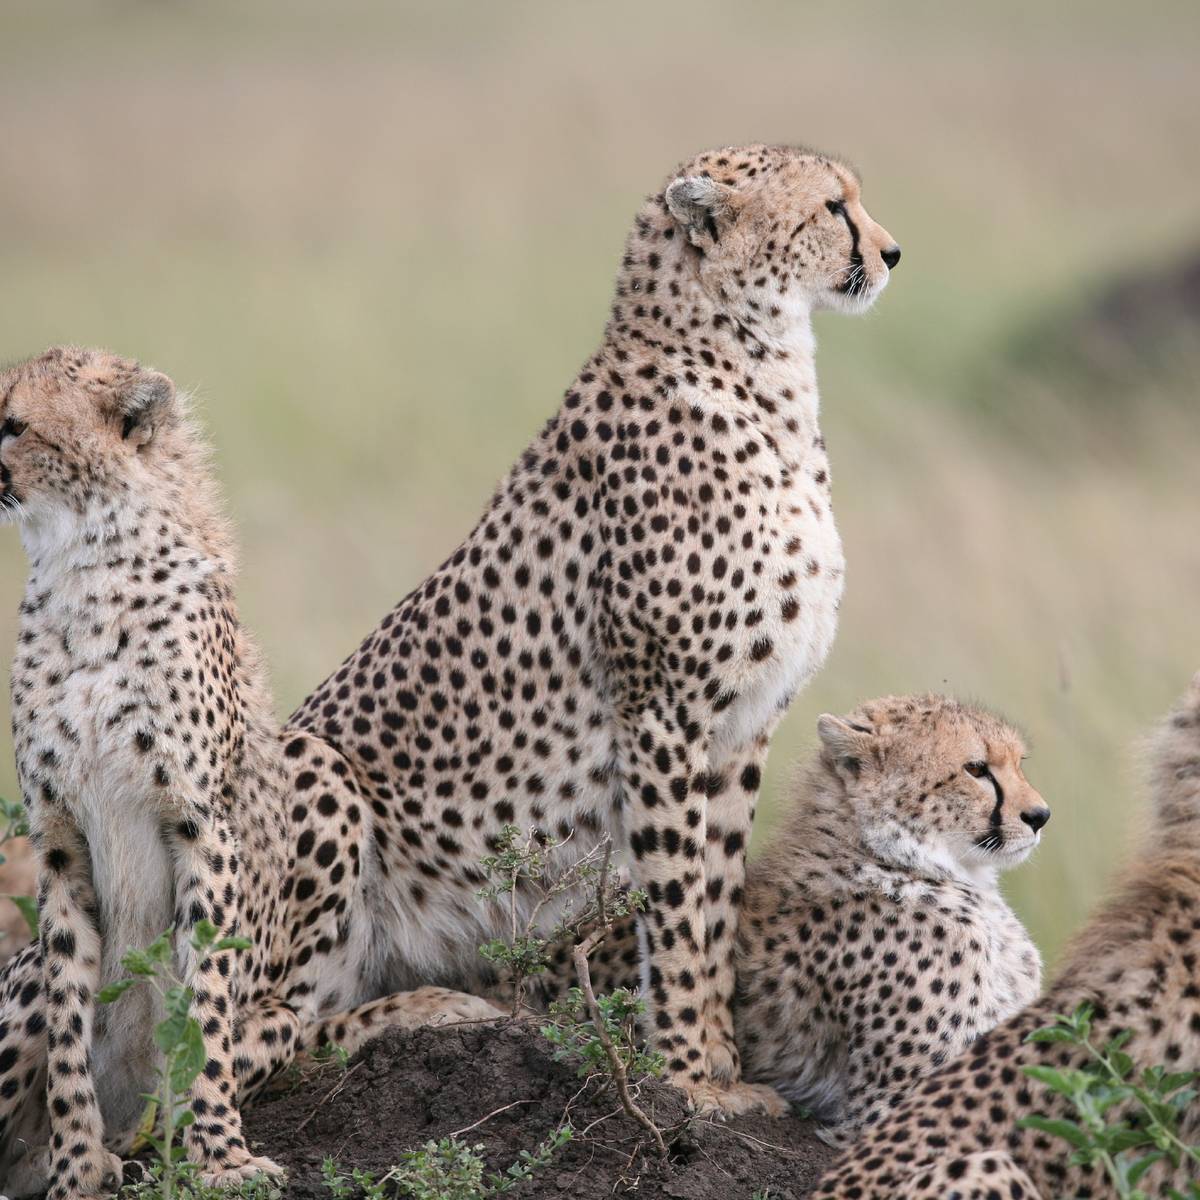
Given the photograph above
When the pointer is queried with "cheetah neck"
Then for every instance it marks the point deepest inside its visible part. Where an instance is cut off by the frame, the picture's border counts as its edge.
(106, 539)
(706, 357)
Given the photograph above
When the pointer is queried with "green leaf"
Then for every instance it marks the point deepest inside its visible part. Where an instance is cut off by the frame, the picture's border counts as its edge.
(138, 962)
(1069, 1131)
(204, 933)
(172, 1032)
(116, 990)
(1137, 1169)
(1056, 1081)
(231, 943)
(1122, 1064)
(1052, 1033)
(190, 1057)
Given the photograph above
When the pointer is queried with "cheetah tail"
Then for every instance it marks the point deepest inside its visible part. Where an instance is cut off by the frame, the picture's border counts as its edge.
(1175, 769)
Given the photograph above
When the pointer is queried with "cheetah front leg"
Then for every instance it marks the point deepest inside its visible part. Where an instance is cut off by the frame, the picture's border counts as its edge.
(80, 1166)
(732, 795)
(206, 865)
(666, 780)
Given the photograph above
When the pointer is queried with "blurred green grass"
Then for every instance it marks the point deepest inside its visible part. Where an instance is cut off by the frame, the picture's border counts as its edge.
(378, 240)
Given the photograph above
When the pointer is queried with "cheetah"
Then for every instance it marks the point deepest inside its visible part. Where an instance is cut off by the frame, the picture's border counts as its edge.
(152, 768)
(955, 1136)
(609, 651)
(874, 943)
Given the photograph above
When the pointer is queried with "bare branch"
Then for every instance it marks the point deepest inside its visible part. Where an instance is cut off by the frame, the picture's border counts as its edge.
(620, 1078)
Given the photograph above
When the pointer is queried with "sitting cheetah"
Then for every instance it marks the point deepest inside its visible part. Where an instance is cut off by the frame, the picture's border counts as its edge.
(152, 770)
(956, 1138)
(612, 646)
(874, 943)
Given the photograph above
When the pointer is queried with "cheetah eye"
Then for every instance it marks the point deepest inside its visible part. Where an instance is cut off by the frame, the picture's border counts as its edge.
(837, 207)
(978, 769)
(12, 428)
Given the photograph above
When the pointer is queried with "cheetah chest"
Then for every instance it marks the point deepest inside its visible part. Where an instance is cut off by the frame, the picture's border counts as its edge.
(802, 577)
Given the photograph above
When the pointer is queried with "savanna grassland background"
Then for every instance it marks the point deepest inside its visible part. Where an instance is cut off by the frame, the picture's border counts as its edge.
(378, 238)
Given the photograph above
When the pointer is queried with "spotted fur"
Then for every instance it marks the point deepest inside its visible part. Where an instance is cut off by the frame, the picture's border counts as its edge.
(874, 943)
(612, 646)
(153, 773)
(1135, 962)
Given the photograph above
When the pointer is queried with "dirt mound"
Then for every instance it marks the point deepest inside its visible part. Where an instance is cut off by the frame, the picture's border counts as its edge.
(500, 1087)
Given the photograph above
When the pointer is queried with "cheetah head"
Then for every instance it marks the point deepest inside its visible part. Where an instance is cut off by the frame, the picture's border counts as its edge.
(774, 232)
(935, 784)
(76, 426)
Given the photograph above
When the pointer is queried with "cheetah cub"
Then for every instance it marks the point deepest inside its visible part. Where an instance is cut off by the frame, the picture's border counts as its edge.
(874, 944)
(956, 1135)
(152, 768)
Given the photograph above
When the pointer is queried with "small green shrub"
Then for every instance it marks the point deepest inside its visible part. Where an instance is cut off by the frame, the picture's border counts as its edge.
(1126, 1121)
(520, 867)
(574, 1035)
(447, 1169)
(181, 1041)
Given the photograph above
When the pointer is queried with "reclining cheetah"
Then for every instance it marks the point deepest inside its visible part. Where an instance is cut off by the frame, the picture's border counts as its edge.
(874, 943)
(955, 1137)
(152, 769)
(612, 646)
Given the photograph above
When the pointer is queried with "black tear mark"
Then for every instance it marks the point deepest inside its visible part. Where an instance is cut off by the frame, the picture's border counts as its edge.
(856, 281)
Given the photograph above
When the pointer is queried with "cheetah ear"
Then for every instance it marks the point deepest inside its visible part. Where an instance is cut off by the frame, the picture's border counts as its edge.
(846, 746)
(142, 404)
(702, 206)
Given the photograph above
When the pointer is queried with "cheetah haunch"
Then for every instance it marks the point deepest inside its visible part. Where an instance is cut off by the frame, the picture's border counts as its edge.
(612, 646)
(956, 1137)
(150, 762)
(874, 943)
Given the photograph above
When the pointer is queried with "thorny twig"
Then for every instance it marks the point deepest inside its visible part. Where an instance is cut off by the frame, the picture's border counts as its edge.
(620, 1077)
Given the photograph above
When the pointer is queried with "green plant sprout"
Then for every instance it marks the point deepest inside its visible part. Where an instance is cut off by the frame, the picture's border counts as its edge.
(446, 1169)
(181, 1041)
(1142, 1131)
(522, 880)
(575, 1036)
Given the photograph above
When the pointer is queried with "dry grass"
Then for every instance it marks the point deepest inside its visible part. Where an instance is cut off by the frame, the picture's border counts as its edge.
(378, 238)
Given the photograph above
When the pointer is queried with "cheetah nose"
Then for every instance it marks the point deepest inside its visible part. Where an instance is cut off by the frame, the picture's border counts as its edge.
(890, 256)
(1035, 818)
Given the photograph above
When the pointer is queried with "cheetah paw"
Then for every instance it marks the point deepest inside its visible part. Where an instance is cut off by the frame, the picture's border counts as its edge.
(95, 1173)
(735, 1099)
(232, 1174)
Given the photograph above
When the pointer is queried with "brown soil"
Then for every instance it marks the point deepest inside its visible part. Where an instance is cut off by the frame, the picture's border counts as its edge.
(412, 1086)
